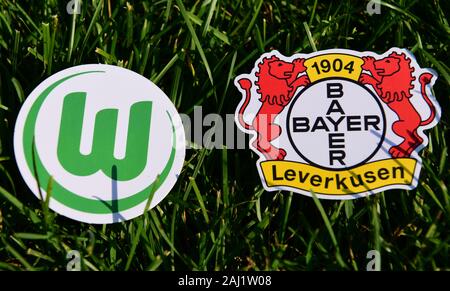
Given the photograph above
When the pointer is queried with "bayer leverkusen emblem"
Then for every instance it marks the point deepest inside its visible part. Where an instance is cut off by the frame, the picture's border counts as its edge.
(340, 123)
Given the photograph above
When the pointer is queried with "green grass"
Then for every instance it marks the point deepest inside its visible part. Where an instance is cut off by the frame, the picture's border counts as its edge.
(218, 217)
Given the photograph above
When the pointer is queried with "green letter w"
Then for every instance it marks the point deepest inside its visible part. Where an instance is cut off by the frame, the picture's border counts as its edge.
(102, 153)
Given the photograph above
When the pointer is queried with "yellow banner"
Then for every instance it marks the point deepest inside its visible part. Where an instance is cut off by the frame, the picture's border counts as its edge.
(334, 65)
(340, 182)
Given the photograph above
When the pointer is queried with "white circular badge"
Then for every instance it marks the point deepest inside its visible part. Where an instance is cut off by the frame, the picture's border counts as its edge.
(110, 140)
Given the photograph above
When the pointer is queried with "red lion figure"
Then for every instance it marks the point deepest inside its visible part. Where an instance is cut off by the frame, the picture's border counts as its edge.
(391, 77)
(277, 82)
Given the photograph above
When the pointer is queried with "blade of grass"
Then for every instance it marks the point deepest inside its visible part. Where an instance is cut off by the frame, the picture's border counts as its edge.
(212, 7)
(98, 9)
(165, 69)
(17, 255)
(330, 230)
(200, 199)
(197, 42)
(255, 13)
(310, 37)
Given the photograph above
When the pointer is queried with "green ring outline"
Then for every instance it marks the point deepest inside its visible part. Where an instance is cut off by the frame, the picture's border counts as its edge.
(66, 197)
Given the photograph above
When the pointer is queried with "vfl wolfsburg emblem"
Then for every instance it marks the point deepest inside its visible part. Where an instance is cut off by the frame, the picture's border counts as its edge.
(108, 141)
(339, 123)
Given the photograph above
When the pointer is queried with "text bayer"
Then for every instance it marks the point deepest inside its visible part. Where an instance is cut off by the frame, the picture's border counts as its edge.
(245, 280)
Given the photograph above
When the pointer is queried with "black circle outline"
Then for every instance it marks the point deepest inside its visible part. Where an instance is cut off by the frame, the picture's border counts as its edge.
(328, 168)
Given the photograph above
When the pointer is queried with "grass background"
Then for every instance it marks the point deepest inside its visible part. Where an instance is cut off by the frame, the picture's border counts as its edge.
(218, 217)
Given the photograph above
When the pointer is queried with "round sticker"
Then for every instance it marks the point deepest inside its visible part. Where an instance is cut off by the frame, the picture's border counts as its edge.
(106, 140)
